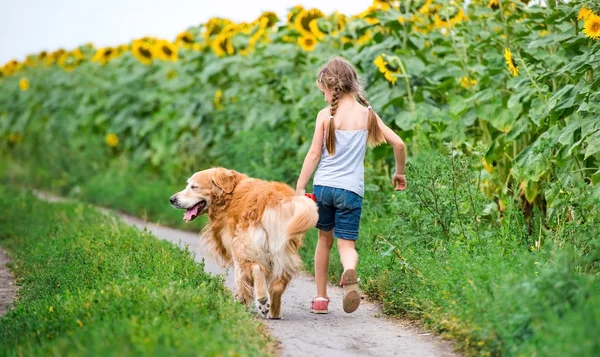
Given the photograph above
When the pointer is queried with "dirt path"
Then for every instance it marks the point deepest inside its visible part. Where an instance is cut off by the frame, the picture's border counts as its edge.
(363, 333)
(8, 289)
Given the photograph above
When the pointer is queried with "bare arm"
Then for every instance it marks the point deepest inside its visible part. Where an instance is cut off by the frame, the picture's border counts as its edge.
(313, 156)
(399, 181)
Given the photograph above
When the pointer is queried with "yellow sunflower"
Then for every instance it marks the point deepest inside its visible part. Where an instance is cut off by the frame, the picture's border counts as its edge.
(591, 26)
(166, 51)
(467, 82)
(307, 42)
(364, 38)
(304, 18)
(214, 26)
(452, 19)
(111, 140)
(366, 15)
(428, 8)
(584, 12)
(293, 13)
(388, 70)
(316, 31)
(222, 45)
(24, 84)
(510, 62)
(268, 19)
(218, 99)
(70, 60)
(105, 55)
(494, 4)
(185, 40)
(143, 51)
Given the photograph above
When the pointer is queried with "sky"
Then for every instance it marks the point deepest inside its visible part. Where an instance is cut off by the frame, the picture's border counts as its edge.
(30, 26)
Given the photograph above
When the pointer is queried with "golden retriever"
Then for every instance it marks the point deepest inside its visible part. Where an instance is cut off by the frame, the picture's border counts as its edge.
(255, 226)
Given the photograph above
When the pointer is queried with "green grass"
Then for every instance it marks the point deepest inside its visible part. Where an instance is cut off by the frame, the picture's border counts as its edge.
(437, 253)
(91, 285)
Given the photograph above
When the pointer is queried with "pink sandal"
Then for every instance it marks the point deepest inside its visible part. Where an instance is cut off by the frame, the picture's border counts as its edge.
(349, 282)
(319, 305)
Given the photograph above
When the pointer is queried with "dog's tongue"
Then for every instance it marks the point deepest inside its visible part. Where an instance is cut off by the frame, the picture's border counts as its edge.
(191, 213)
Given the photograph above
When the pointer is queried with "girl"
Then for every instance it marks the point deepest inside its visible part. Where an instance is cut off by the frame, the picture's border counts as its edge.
(343, 130)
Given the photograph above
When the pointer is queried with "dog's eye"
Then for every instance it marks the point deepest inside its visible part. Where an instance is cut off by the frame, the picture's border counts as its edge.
(194, 187)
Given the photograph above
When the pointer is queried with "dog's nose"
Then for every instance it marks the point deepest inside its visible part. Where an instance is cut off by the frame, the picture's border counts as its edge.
(172, 199)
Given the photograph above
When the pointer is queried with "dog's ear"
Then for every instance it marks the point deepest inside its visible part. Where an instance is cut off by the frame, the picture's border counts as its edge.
(224, 179)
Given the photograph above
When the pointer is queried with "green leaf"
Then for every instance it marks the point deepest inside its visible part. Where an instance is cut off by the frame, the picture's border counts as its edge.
(593, 144)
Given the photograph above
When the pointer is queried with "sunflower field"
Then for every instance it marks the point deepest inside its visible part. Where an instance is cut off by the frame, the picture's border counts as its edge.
(507, 91)
(521, 81)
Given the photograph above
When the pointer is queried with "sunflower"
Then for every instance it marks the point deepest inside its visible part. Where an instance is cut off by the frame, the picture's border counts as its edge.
(494, 4)
(340, 21)
(218, 99)
(185, 40)
(24, 84)
(389, 70)
(11, 67)
(512, 65)
(304, 18)
(214, 26)
(466, 82)
(222, 45)
(591, 26)
(315, 30)
(42, 56)
(70, 60)
(166, 51)
(104, 55)
(428, 8)
(366, 15)
(452, 19)
(143, 51)
(268, 19)
(307, 42)
(293, 13)
(111, 140)
(584, 12)
(364, 38)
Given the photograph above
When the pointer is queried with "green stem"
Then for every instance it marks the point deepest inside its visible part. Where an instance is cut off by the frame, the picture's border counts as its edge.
(406, 27)
(407, 83)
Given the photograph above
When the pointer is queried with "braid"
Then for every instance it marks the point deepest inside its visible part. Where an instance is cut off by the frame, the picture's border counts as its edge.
(330, 142)
(375, 136)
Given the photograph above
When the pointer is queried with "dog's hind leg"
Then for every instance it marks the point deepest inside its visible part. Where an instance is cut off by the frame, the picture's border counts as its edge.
(276, 290)
(243, 285)
(261, 294)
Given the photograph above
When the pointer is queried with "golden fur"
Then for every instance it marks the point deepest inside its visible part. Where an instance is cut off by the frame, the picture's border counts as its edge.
(255, 226)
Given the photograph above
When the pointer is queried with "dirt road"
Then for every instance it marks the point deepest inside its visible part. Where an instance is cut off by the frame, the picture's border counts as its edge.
(363, 333)
(8, 289)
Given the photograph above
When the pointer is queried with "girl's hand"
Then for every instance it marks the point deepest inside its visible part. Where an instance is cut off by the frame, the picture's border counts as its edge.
(300, 191)
(399, 182)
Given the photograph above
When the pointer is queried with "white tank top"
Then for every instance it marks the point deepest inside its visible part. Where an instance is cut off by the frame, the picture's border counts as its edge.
(345, 169)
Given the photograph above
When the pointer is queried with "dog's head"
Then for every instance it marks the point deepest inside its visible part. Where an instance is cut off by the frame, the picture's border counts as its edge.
(203, 189)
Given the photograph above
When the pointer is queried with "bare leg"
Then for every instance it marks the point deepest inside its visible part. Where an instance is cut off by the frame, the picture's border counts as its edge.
(324, 245)
(348, 254)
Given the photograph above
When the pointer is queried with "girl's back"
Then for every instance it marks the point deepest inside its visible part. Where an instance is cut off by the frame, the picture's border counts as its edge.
(351, 117)
(345, 168)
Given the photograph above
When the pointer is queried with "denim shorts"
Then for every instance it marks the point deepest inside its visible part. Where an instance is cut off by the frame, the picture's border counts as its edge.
(339, 209)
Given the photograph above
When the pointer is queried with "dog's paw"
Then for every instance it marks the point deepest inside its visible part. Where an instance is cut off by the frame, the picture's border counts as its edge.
(263, 305)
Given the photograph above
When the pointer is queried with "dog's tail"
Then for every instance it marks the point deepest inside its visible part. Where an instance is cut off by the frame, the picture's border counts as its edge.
(305, 216)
